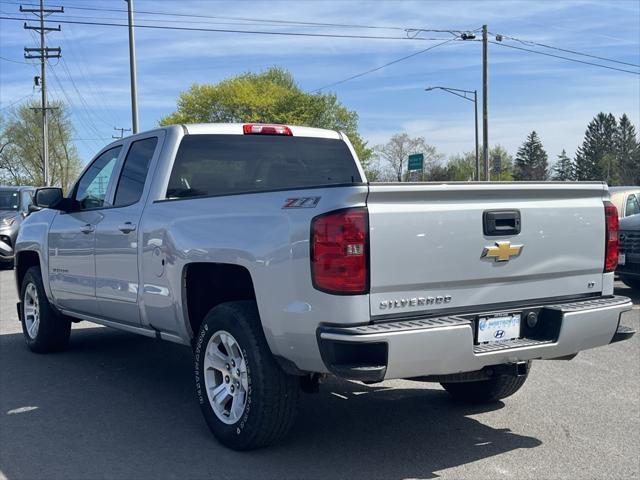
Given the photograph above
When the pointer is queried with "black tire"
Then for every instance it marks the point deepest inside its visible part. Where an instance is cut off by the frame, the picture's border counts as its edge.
(52, 333)
(485, 391)
(633, 283)
(272, 395)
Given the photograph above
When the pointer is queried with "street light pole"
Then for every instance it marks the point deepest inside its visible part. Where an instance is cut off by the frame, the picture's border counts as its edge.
(475, 102)
(132, 69)
(463, 94)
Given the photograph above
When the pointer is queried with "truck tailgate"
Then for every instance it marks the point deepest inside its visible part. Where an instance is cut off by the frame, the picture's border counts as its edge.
(429, 249)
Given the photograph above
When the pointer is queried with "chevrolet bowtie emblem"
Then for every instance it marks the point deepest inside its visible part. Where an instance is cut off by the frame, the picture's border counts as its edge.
(502, 251)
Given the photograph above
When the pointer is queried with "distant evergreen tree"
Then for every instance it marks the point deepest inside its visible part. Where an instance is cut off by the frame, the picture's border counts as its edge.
(564, 170)
(627, 152)
(531, 161)
(596, 159)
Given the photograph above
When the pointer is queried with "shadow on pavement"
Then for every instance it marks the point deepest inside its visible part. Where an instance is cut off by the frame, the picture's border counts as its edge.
(119, 405)
(622, 289)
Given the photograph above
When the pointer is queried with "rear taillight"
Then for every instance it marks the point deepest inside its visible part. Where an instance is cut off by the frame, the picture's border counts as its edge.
(265, 129)
(339, 252)
(611, 239)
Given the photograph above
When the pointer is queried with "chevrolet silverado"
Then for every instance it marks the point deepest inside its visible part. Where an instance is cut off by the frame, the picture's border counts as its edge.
(264, 249)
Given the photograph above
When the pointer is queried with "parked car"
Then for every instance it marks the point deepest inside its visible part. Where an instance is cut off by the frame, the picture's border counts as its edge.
(264, 249)
(14, 207)
(626, 200)
(629, 263)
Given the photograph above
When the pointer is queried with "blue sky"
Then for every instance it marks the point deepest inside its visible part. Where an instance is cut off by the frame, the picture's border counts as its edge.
(555, 97)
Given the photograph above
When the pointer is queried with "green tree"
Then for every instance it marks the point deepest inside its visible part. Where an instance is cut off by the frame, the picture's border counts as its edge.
(564, 170)
(627, 152)
(395, 154)
(596, 159)
(21, 159)
(531, 161)
(269, 97)
(462, 167)
(500, 164)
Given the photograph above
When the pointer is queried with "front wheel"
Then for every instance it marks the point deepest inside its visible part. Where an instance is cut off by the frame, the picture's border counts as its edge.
(43, 328)
(486, 391)
(247, 400)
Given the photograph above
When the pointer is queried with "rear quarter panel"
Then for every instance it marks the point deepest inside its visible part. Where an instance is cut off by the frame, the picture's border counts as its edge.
(257, 233)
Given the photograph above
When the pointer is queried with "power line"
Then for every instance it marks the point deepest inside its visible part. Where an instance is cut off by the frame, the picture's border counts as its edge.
(397, 60)
(261, 20)
(80, 96)
(87, 122)
(574, 52)
(564, 58)
(14, 61)
(17, 101)
(98, 95)
(249, 32)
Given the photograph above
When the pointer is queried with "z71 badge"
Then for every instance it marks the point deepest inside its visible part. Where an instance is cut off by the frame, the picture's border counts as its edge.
(302, 202)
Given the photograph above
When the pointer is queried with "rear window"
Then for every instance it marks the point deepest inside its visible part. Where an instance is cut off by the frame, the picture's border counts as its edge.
(228, 164)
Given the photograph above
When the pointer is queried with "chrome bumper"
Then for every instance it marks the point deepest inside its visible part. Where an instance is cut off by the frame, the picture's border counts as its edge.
(441, 346)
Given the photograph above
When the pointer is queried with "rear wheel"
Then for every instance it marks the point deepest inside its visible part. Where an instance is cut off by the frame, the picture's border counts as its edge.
(247, 400)
(43, 328)
(485, 391)
(631, 282)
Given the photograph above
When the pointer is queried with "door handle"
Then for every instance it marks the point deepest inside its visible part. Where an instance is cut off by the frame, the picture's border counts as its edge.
(127, 227)
(501, 222)
(88, 228)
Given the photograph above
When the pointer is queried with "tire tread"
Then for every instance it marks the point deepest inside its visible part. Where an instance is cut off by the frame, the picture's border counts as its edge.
(277, 413)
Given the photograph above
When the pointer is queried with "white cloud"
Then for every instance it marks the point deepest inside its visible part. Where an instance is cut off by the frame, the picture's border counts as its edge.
(553, 96)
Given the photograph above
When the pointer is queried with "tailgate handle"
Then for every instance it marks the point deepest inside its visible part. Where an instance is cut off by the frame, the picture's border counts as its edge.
(501, 222)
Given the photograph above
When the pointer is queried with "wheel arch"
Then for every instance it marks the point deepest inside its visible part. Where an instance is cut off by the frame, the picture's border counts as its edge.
(24, 260)
(208, 284)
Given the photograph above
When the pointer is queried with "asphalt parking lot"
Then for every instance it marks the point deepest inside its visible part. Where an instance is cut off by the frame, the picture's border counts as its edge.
(116, 405)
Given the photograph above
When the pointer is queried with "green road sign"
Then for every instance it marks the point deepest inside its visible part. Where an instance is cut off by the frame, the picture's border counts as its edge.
(416, 161)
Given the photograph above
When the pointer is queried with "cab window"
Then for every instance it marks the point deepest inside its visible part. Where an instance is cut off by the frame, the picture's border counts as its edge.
(92, 187)
(134, 172)
(633, 206)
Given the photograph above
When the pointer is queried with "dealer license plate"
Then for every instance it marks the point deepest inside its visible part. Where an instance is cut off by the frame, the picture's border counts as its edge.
(498, 328)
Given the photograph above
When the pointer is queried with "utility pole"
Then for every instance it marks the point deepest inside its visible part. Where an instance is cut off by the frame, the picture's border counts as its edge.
(43, 54)
(485, 101)
(132, 68)
(121, 130)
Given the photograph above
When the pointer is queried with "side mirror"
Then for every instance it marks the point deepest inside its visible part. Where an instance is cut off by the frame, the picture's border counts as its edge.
(32, 208)
(49, 197)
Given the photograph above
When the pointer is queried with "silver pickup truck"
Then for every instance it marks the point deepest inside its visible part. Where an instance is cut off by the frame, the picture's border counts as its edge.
(264, 249)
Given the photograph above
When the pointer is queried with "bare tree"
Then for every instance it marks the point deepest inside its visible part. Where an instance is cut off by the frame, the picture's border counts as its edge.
(21, 148)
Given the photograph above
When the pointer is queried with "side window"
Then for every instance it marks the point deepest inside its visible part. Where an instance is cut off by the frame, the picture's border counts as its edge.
(633, 206)
(134, 171)
(92, 187)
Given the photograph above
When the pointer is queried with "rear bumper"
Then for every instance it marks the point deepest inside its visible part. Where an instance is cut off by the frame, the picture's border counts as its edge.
(441, 346)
